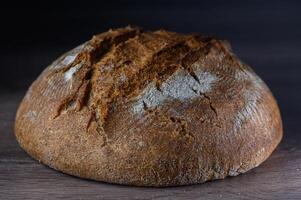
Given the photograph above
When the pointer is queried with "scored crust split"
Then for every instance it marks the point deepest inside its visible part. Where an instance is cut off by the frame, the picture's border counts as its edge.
(149, 109)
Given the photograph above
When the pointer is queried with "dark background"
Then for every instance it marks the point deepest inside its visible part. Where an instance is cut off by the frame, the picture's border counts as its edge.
(265, 34)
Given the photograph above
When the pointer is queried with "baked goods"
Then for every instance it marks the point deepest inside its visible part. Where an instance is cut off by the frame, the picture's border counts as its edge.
(149, 109)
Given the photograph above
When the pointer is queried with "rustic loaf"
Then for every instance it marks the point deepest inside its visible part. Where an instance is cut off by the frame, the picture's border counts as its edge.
(149, 109)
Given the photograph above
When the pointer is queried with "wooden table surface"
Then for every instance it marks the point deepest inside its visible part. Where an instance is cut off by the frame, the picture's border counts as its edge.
(279, 177)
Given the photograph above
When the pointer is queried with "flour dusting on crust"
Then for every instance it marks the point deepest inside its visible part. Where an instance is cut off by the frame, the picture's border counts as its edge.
(252, 95)
(69, 74)
(68, 59)
(180, 86)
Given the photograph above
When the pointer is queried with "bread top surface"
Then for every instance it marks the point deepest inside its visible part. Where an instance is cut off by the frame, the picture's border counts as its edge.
(150, 98)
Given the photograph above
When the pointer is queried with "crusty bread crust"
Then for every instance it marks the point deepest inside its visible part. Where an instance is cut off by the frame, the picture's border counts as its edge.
(149, 109)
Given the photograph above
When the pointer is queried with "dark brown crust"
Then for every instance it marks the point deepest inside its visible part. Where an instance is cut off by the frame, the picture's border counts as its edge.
(149, 109)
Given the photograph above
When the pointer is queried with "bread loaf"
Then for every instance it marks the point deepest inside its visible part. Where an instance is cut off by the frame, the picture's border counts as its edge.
(149, 109)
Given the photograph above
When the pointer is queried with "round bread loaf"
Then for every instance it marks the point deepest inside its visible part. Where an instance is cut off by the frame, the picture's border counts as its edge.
(149, 109)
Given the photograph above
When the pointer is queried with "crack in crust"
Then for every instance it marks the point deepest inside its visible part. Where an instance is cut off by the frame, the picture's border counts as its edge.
(103, 47)
(95, 50)
(155, 69)
(210, 103)
(78, 99)
(181, 52)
